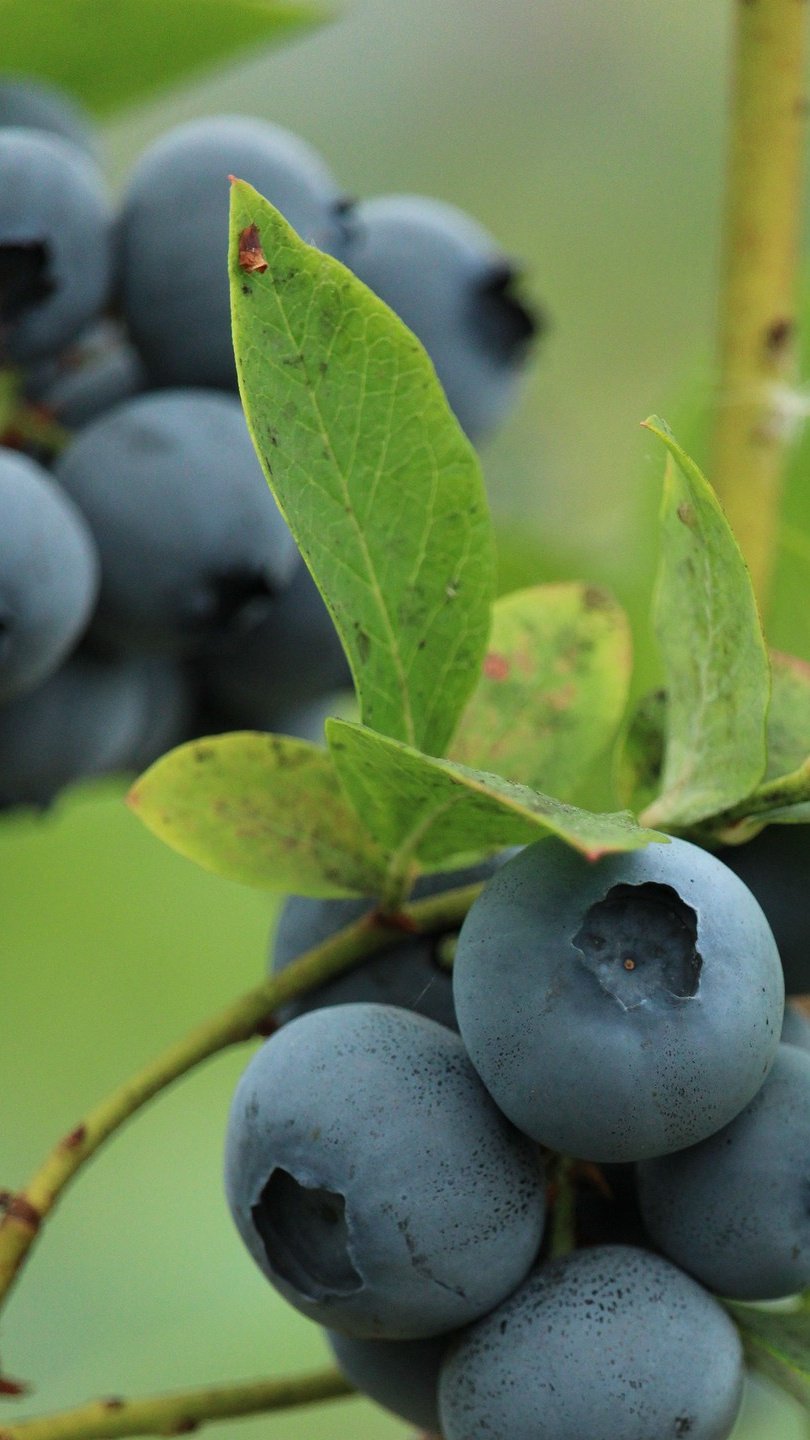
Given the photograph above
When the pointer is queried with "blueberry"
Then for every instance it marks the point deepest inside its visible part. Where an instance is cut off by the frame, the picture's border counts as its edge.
(373, 1180)
(91, 380)
(34, 106)
(173, 236)
(622, 1008)
(611, 1342)
(289, 658)
(49, 574)
(734, 1210)
(452, 285)
(55, 244)
(400, 1375)
(412, 971)
(775, 865)
(92, 717)
(192, 544)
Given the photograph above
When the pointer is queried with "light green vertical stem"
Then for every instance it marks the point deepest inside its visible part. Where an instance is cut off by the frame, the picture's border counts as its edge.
(758, 278)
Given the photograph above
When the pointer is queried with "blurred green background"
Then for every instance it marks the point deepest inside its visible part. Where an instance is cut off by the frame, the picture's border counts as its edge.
(589, 138)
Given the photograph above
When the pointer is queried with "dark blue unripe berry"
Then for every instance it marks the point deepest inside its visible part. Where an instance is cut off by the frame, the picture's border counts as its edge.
(611, 1342)
(413, 971)
(452, 285)
(400, 1375)
(622, 1008)
(373, 1180)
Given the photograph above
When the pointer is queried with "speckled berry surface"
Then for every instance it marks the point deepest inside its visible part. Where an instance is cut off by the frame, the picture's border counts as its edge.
(400, 1375)
(611, 1342)
(735, 1210)
(372, 1178)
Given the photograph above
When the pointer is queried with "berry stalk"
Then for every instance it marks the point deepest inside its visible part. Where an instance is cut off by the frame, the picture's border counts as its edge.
(181, 1412)
(240, 1021)
(757, 323)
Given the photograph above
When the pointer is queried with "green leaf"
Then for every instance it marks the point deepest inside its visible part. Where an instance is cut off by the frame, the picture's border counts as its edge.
(641, 755)
(553, 689)
(789, 715)
(777, 1342)
(111, 54)
(372, 472)
(715, 662)
(434, 813)
(262, 809)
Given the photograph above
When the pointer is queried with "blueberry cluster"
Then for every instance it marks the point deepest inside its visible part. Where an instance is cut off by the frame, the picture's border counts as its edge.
(149, 588)
(512, 1197)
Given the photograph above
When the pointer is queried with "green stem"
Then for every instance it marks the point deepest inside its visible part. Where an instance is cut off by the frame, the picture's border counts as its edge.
(563, 1215)
(184, 1411)
(240, 1021)
(757, 325)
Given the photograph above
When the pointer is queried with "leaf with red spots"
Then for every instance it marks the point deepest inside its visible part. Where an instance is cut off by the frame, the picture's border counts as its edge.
(435, 814)
(553, 689)
(262, 809)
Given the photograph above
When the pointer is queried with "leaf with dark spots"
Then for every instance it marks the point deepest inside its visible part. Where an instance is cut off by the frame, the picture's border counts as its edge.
(262, 809)
(373, 474)
(553, 688)
(437, 814)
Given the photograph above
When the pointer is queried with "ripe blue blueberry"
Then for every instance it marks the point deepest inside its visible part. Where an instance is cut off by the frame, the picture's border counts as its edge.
(49, 574)
(453, 286)
(622, 1008)
(173, 236)
(611, 1342)
(192, 544)
(400, 1375)
(55, 244)
(734, 1211)
(373, 1180)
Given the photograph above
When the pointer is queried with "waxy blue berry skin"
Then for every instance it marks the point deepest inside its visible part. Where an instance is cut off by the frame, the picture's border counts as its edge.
(49, 575)
(373, 1180)
(450, 282)
(192, 543)
(55, 244)
(610, 1342)
(623, 1008)
(32, 105)
(734, 1211)
(173, 236)
(400, 1375)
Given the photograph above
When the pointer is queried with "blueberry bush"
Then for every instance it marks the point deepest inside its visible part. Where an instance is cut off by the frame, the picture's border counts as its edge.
(524, 1131)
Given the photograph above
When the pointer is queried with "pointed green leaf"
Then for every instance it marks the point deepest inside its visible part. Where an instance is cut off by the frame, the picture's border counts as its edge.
(262, 809)
(109, 55)
(553, 689)
(777, 1342)
(372, 472)
(435, 813)
(715, 662)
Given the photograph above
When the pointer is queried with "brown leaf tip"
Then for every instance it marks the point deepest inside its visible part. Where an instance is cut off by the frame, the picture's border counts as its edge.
(251, 255)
